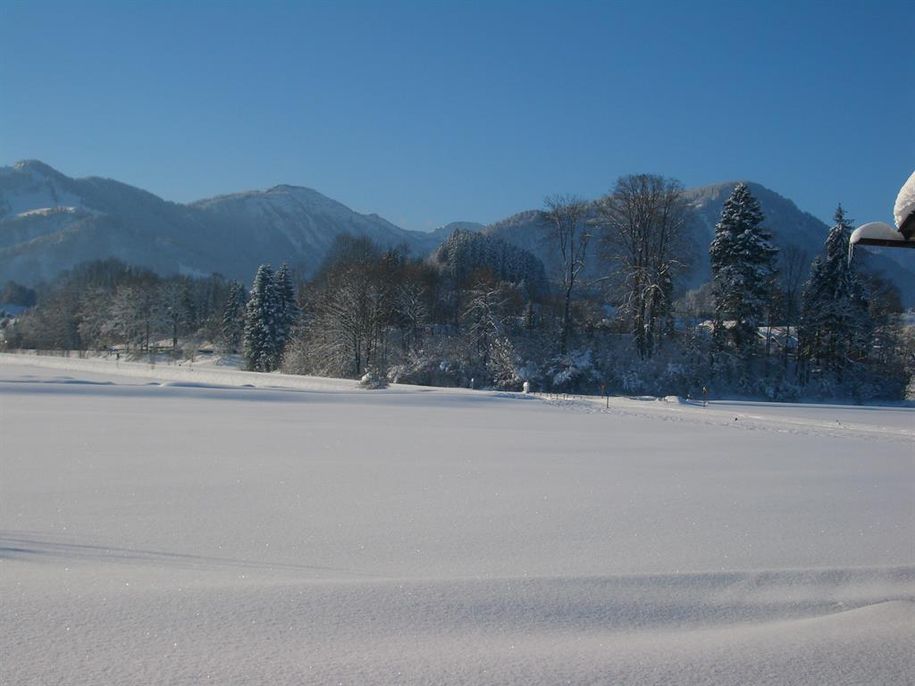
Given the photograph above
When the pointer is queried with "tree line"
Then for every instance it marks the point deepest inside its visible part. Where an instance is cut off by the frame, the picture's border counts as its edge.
(107, 303)
(605, 313)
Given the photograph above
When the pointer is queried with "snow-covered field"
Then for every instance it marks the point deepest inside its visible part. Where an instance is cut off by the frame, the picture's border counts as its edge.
(174, 526)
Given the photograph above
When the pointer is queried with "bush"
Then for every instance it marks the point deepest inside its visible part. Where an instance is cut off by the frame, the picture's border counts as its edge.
(373, 380)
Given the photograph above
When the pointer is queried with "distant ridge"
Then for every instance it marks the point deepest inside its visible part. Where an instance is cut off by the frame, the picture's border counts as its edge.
(790, 226)
(50, 222)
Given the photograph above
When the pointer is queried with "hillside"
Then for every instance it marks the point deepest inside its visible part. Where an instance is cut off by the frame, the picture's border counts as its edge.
(790, 227)
(50, 222)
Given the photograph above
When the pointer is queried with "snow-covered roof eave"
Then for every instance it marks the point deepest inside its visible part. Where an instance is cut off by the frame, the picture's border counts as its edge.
(885, 236)
(905, 202)
(878, 233)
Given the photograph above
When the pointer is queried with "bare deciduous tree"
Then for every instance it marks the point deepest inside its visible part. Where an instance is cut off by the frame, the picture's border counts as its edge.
(794, 265)
(354, 308)
(643, 223)
(135, 313)
(411, 313)
(177, 308)
(566, 217)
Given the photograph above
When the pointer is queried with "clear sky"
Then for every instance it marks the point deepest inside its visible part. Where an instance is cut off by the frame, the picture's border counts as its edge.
(431, 112)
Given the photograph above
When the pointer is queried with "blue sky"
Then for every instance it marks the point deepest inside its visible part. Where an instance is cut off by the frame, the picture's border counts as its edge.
(430, 112)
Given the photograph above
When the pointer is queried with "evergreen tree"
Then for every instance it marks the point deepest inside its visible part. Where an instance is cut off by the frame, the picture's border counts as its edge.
(262, 344)
(835, 323)
(233, 318)
(286, 305)
(743, 269)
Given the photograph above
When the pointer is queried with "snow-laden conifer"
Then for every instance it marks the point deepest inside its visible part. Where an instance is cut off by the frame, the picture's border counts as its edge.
(743, 268)
(286, 305)
(262, 347)
(233, 318)
(836, 325)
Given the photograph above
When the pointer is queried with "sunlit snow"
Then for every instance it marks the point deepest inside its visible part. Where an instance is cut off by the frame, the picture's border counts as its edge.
(176, 525)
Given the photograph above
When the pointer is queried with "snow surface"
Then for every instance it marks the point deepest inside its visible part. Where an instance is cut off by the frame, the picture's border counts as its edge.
(179, 526)
(47, 211)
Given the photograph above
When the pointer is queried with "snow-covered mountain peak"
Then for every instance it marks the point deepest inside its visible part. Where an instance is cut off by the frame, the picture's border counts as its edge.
(37, 167)
(277, 195)
(50, 222)
(289, 189)
(30, 185)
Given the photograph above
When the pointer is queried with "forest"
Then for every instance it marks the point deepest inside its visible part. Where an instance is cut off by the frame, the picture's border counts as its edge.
(606, 315)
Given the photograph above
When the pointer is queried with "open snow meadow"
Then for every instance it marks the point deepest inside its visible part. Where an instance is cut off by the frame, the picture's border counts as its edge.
(180, 526)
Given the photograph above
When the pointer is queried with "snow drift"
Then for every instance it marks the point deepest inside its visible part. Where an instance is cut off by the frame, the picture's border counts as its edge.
(174, 530)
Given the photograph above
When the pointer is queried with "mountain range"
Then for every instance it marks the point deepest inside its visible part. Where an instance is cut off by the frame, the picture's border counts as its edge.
(790, 228)
(50, 222)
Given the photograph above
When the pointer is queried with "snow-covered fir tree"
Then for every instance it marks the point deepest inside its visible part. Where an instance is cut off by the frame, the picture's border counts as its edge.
(262, 348)
(288, 309)
(835, 325)
(743, 270)
(233, 318)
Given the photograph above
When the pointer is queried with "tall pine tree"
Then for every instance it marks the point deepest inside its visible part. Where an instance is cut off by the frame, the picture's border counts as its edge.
(233, 318)
(743, 270)
(835, 322)
(286, 305)
(262, 347)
